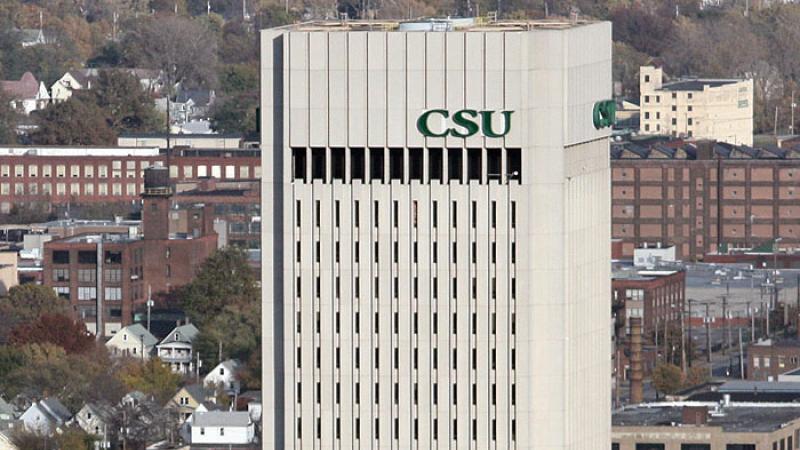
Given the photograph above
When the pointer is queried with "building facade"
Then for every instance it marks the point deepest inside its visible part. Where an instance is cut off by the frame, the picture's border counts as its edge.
(768, 359)
(96, 175)
(435, 270)
(696, 108)
(107, 272)
(704, 197)
(657, 296)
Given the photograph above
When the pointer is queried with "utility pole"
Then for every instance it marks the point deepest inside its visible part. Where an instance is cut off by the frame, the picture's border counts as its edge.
(775, 131)
(197, 366)
(683, 342)
(752, 323)
(691, 354)
(791, 125)
(725, 318)
(656, 337)
(741, 355)
(708, 335)
(149, 304)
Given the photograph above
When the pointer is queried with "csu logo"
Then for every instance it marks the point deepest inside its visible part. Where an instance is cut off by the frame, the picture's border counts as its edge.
(467, 123)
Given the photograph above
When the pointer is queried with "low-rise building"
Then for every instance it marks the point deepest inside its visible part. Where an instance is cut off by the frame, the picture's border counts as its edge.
(132, 341)
(187, 399)
(769, 358)
(176, 349)
(107, 272)
(95, 419)
(657, 296)
(26, 94)
(222, 428)
(720, 109)
(46, 416)
(706, 426)
(224, 377)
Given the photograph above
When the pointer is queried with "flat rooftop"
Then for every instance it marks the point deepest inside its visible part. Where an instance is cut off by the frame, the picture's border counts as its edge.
(696, 84)
(737, 417)
(433, 24)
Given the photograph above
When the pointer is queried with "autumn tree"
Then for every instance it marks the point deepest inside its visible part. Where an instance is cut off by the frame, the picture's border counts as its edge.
(667, 378)
(54, 329)
(153, 378)
(27, 302)
(8, 121)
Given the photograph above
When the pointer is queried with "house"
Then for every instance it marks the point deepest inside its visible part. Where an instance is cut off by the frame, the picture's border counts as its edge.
(27, 94)
(222, 428)
(85, 79)
(176, 348)
(187, 399)
(45, 416)
(94, 418)
(191, 104)
(5, 441)
(224, 376)
(7, 417)
(31, 37)
(250, 400)
(133, 399)
(132, 340)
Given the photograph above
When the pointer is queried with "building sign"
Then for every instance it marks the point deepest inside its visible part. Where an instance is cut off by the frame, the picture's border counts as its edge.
(467, 122)
(604, 114)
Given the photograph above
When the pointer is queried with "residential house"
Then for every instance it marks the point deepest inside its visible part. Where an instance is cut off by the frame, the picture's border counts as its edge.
(5, 441)
(251, 401)
(7, 416)
(223, 428)
(132, 340)
(133, 399)
(187, 399)
(94, 418)
(224, 376)
(85, 79)
(31, 37)
(45, 416)
(176, 348)
(191, 104)
(27, 94)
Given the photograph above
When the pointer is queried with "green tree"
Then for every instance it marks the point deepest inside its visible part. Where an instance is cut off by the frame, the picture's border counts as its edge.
(127, 106)
(224, 279)
(667, 378)
(238, 78)
(77, 121)
(11, 359)
(8, 121)
(27, 302)
(695, 376)
(153, 378)
(237, 327)
(235, 114)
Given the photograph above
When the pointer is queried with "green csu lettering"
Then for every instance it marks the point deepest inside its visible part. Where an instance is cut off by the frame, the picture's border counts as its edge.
(466, 123)
(604, 114)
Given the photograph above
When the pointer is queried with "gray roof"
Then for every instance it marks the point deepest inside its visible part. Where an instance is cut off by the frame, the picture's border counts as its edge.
(759, 386)
(6, 408)
(745, 417)
(186, 333)
(197, 391)
(221, 419)
(138, 330)
(54, 407)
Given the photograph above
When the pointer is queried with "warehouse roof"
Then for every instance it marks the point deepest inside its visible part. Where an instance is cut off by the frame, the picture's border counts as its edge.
(737, 417)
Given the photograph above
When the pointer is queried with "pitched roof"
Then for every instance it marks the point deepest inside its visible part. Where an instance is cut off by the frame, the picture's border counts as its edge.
(222, 419)
(27, 87)
(6, 408)
(53, 407)
(185, 333)
(139, 331)
(197, 391)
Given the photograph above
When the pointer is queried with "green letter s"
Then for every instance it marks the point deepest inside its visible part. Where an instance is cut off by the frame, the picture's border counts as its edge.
(464, 122)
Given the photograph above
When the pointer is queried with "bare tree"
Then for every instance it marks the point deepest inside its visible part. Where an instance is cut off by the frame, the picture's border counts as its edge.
(184, 49)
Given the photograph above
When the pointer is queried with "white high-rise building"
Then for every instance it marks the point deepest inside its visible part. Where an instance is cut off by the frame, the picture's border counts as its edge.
(436, 235)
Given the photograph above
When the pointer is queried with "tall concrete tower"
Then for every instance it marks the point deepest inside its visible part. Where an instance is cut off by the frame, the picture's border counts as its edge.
(437, 242)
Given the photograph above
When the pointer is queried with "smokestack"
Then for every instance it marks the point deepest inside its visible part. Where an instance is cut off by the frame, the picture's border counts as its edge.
(637, 395)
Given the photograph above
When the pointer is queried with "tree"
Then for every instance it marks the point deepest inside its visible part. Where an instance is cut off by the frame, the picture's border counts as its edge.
(181, 47)
(237, 327)
(77, 121)
(667, 378)
(224, 279)
(126, 104)
(27, 302)
(238, 78)
(235, 114)
(696, 375)
(153, 378)
(646, 30)
(8, 121)
(11, 359)
(54, 329)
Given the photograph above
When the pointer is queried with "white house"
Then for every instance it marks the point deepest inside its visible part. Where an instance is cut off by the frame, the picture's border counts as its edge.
(94, 419)
(133, 340)
(27, 94)
(74, 80)
(224, 376)
(45, 416)
(5, 441)
(222, 428)
(176, 348)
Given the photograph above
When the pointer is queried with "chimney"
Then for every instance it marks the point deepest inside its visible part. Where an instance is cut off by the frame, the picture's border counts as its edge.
(156, 203)
(694, 415)
(637, 395)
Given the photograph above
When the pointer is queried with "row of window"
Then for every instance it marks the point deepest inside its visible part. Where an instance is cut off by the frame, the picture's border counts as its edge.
(415, 427)
(657, 98)
(89, 257)
(101, 189)
(86, 293)
(423, 165)
(130, 171)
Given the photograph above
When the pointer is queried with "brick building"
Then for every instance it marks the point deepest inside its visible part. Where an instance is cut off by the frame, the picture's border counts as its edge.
(768, 359)
(79, 175)
(691, 194)
(108, 271)
(657, 296)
